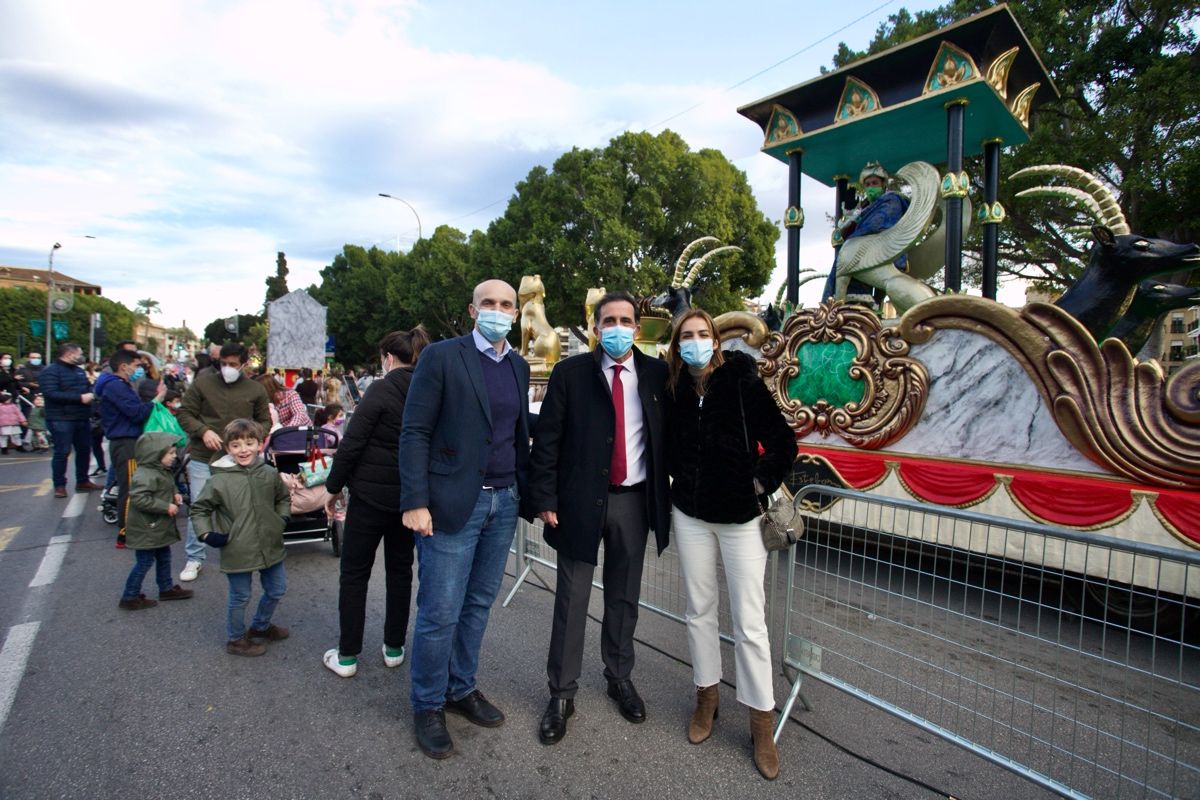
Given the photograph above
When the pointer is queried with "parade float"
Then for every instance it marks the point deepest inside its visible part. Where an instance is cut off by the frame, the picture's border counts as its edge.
(1042, 413)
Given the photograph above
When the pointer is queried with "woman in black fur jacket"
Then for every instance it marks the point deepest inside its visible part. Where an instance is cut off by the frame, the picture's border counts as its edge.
(367, 461)
(729, 447)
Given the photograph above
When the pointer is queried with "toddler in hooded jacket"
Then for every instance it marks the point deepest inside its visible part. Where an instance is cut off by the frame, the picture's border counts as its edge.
(150, 522)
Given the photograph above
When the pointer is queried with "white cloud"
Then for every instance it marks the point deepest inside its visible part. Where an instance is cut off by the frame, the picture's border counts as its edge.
(196, 139)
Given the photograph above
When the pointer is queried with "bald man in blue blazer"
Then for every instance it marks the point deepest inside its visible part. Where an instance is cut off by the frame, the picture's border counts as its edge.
(464, 459)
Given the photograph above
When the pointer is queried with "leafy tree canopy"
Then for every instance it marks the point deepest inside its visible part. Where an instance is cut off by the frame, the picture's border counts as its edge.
(19, 305)
(354, 291)
(217, 333)
(618, 217)
(1129, 112)
(277, 284)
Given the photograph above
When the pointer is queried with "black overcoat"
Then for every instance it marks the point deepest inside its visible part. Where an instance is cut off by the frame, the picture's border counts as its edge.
(368, 456)
(714, 444)
(572, 450)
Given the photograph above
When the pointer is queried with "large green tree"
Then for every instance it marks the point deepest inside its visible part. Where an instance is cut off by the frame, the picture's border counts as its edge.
(354, 291)
(1129, 76)
(436, 279)
(20, 305)
(217, 332)
(619, 216)
(277, 284)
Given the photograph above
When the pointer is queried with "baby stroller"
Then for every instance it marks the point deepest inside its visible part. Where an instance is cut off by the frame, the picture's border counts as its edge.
(315, 517)
(108, 498)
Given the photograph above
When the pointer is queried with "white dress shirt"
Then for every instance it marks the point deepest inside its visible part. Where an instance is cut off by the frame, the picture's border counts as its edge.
(635, 430)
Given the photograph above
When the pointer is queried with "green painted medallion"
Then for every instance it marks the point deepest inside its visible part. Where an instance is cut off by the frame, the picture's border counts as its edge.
(825, 374)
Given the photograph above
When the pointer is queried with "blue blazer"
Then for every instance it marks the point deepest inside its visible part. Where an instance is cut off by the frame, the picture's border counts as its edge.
(445, 441)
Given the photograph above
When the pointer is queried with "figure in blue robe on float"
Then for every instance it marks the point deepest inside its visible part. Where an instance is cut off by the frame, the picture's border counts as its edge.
(878, 210)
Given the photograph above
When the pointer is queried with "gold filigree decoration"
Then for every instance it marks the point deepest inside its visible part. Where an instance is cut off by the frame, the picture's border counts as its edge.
(782, 127)
(951, 67)
(1023, 102)
(955, 184)
(997, 71)
(1120, 413)
(857, 99)
(895, 386)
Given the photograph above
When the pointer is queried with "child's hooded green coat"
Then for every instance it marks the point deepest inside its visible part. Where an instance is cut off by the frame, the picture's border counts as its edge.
(147, 526)
(248, 503)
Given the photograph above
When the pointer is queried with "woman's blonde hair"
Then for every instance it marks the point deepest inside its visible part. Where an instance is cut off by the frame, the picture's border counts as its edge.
(675, 364)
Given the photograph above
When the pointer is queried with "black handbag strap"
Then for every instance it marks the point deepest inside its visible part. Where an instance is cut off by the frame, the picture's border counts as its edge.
(746, 439)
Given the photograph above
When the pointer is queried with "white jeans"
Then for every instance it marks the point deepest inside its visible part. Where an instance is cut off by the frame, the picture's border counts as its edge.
(745, 561)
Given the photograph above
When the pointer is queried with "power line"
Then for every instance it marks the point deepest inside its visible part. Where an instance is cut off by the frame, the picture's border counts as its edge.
(726, 90)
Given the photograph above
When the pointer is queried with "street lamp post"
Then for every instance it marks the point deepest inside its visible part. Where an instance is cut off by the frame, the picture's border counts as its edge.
(49, 299)
(415, 214)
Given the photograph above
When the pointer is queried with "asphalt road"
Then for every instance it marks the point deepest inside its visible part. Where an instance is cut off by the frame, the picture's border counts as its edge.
(96, 702)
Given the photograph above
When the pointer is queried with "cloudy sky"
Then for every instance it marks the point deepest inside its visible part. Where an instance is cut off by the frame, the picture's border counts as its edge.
(196, 138)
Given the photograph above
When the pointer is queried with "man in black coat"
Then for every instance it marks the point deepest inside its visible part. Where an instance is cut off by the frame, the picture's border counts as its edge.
(598, 473)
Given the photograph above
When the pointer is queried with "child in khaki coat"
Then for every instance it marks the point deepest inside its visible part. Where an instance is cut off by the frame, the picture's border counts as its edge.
(150, 523)
(243, 510)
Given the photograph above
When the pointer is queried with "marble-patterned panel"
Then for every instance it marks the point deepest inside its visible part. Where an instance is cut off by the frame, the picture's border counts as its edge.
(297, 332)
(983, 407)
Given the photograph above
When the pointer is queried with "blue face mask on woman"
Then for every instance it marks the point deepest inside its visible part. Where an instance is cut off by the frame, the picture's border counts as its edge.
(138, 374)
(616, 340)
(494, 325)
(696, 352)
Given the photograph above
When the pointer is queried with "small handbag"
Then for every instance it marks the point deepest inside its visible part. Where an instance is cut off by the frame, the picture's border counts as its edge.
(316, 471)
(780, 524)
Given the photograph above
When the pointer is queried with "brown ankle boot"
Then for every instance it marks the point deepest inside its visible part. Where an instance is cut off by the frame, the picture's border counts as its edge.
(701, 725)
(766, 757)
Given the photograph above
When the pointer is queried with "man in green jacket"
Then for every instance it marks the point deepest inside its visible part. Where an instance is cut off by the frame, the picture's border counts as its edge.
(213, 401)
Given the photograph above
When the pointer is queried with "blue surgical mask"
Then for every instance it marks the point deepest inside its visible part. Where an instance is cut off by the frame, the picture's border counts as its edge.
(696, 352)
(138, 374)
(35, 362)
(616, 340)
(494, 325)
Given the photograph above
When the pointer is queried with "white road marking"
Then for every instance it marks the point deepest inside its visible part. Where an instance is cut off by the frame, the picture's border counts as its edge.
(75, 507)
(52, 561)
(13, 659)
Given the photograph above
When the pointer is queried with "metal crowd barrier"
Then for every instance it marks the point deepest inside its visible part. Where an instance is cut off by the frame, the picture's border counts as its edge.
(661, 589)
(1067, 657)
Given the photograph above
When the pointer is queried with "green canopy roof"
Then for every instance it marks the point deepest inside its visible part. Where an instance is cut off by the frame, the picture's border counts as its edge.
(890, 107)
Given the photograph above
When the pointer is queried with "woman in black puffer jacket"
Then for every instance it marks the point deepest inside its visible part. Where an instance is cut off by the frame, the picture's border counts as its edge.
(718, 414)
(367, 461)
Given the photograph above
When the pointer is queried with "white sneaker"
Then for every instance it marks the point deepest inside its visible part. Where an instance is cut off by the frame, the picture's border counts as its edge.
(392, 661)
(344, 670)
(190, 570)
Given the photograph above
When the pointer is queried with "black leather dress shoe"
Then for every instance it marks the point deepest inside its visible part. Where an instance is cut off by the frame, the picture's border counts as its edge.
(553, 726)
(476, 708)
(632, 707)
(432, 736)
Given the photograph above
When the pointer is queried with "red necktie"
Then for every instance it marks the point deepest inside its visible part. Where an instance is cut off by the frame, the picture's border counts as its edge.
(617, 471)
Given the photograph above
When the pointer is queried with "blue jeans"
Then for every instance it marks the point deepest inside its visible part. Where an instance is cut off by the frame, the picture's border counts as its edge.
(459, 577)
(274, 586)
(160, 559)
(68, 433)
(198, 475)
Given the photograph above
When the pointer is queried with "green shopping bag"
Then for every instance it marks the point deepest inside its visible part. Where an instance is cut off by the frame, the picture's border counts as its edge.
(161, 419)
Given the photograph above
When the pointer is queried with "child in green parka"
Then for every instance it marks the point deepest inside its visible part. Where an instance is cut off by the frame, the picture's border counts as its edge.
(150, 523)
(243, 510)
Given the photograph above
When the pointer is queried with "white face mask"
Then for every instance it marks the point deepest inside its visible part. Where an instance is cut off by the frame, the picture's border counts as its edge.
(230, 374)
(5, 362)
(279, 379)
